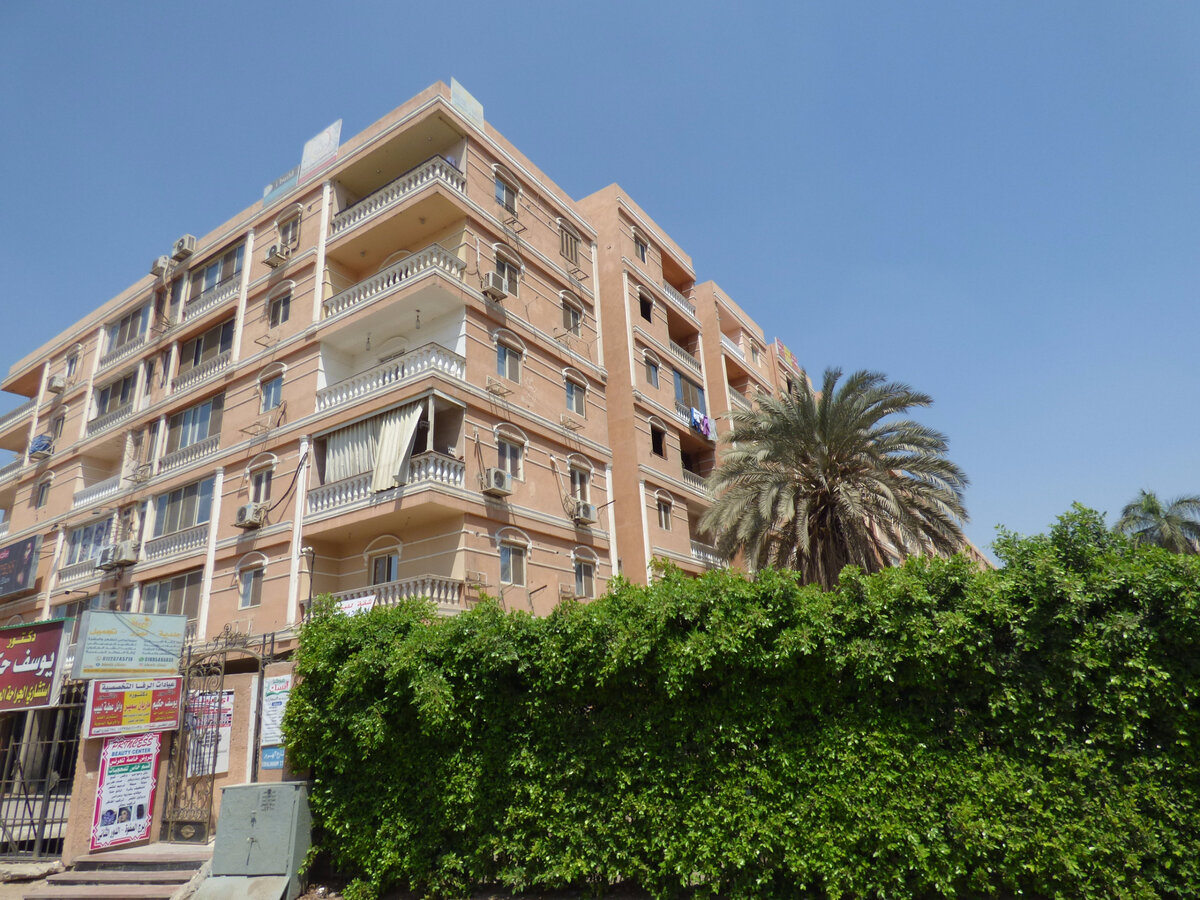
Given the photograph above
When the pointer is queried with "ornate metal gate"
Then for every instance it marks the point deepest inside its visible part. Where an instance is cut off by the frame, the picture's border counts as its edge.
(38, 749)
(192, 769)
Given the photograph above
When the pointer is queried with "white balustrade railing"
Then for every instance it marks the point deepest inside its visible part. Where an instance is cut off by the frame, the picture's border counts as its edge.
(109, 419)
(202, 372)
(190, 453)
(683, 413)
(424, 468)
(391, 374)
(85, 568)
(685, 356)
(694, 481)
(679, 300)
(179, 542)
(15, 415)
(413, 265)
(445, 592)
(738, 399)
(11, 468)
(434, 169)
(707, 555)
(213, 297)
(731, 345)
(116, 354)
(97, 491)
(4, 528)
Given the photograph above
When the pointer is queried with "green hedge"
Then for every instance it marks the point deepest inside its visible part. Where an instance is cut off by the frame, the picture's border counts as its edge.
(933, 730)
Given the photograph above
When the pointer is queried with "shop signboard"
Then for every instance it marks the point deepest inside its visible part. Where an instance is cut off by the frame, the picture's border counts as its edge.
(125, 793)
(276, 689)
(209, 719)
(128, 645)
(132, 707)
(355, 605)
(18, 566)
(31, 664)
(786, 355)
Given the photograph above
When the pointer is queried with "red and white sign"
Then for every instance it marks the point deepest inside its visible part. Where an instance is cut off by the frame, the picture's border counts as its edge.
(132, 707)
(125, 794)
(30, 664)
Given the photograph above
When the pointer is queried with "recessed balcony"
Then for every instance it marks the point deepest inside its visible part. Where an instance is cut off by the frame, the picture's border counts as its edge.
(682, 302)
(435, 170)
(101, 490)
(12, 417)
(9, 470)
(202, 372)
(212, 298)
(685, 356)
(430, 469)
(185, 456)
(397, 275)
(446, 593)
(708, 555)
(739, 400)
(729, 344)
(426, 360)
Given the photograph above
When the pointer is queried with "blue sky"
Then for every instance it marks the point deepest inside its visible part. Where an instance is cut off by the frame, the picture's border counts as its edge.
(996, 203)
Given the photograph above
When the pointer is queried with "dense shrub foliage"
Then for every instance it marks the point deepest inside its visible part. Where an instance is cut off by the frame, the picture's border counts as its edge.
(929, 731)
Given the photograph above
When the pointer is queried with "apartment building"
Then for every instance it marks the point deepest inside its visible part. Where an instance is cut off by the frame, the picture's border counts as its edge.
(417, 367)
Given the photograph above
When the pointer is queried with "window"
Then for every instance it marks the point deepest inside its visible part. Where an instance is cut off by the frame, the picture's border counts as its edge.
(658, 441)
(664, 514)
(279, 310)
(509, 455)
(86, 541)
(572, 318)
(272, 393)
(568, 244)
(754, 351)
(506, 193)
(174, 596)
(576, 397)
(510, 272)
(512, 564)
(195, 424)
(183, 508)
(639, 247)
(250, 583)
(115, 395)
(260, 486)
(651, 371)
(129, 327)
(217, 271)
(75, 609)
(72, 364)
(647, 307)
(385, 568)
(508, 362)
(585, 579)
(289, 232)
(56, 427)
(41, 494)
(580, 481)
(688, 393)
(204, 347)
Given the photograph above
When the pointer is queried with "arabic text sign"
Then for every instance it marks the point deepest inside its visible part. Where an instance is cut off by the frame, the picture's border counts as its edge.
(356, 605)
(132, 707)
(209, 721)
(276, 689)
(122, 644)
(18, 565)
(125, 794)
(30, 675)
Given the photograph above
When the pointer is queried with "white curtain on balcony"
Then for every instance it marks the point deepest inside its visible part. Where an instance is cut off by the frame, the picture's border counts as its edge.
(396, 433)
(351, 451)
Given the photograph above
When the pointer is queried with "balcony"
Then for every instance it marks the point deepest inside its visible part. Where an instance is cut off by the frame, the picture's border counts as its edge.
(395, 276)
(98, 491)
(447, 593)
(425, 360)
(117, 354)
(697, 483)
(679, 300)
(4, 528)
(85, 568)
(738, 399)
(14, 416)
(729, 344)
(202, 372)
(685, 356)
(432, 170)
(212, 298)
(190, 454)
(109, 419)
(8, 470)
(708, 555)
(424, 469)
(179, 542)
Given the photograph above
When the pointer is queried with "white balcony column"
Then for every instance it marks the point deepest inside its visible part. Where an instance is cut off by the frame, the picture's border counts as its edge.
(140, 388)
(37, 405)
(645, 531)
(149, 514)
(134, 597)
(322, 236)
(160, 444)
(293, 604)
(52, 578)
(88, 394)
(240, 317)
(612, 524)
(210, 555)
(172, 362)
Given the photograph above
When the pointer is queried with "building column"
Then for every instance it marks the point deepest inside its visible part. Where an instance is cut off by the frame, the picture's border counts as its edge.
(612, 523)
(297, 550)
(172, 366)
(596, 309)
(240, 318)
(88, 399)
(645, 531)
(160, 442)
(52, 578)
(35, 413)
(319, 274)
(210, 555)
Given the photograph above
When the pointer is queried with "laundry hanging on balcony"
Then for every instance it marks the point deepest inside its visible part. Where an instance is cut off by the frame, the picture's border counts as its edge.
(378, 446)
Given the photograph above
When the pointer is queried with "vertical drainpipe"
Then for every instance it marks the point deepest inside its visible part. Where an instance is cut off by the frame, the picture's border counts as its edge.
(240, 318)
(293, 601)
(319, 273)
(210, 555)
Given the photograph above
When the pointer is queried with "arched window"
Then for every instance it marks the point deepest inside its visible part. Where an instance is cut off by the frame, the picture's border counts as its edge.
(645, 304)
(278, 308)
(508, 267)
(510, 350)
(641, 243)
(259, 473)
(658, 437)
(513, 545)
(251, 569)
(585, 572)
(576, 388)
(581, 477)
(653, 363)
(511, 443)
(572, 311)
(508, 189)
(382, 559)
(665, 504)
(270, 387)
(568, 242)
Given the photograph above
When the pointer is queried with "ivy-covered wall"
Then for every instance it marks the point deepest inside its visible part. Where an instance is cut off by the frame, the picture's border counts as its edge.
(930, 731)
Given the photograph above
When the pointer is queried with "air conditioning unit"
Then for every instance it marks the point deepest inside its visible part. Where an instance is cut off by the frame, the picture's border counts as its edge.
(184, 247)
(569, 422)
(160, 266)
(276, 256)
(585, 513)
(57, 384)
(497, 482)
(251, 515)
(494, 286)
(122, 553)
(41, 447)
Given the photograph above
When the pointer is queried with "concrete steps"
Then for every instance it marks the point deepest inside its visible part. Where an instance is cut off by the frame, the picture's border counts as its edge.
(143, 873)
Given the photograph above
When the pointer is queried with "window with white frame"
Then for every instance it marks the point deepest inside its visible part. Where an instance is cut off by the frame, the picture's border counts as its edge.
(206, 346)
(512, 564)
(175, 596)
(568, 243)
(508, 360)
(115, 395)
(279, 309)
(585, 578)
(576, 388)
(72, 364)
(260, 485)
(508, 267)
(86, 541)
(195, 424)
(250, 582)
(183, 508)
(56, 426)
(572, 316)
(217, 271)
(271, 391)
(129, 327)
(510, 455)
(664, 512)
(581, 479)
(41, 494)
(385, 567)
(639, 246)
(651, 369)
(289, 232)
(507, 191)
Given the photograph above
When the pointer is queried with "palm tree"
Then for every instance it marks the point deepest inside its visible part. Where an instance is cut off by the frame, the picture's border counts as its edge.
(815, 481)
(1174, 527)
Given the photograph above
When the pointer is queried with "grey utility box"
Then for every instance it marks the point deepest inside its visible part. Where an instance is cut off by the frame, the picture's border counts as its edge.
(263, 830)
